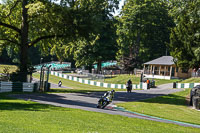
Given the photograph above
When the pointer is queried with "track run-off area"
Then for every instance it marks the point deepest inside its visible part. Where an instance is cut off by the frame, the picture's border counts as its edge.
(88, 102)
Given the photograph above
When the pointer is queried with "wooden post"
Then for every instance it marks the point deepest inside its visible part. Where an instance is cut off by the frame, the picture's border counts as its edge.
(170, 71)
(153, 70)
(164, 70)
(159, 69)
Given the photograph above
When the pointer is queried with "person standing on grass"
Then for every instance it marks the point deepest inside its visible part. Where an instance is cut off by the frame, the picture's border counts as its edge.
(129, 86)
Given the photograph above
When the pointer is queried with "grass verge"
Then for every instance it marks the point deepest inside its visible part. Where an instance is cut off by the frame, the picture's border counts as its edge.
(29, 117)
(172, 106)
(122, 79)
(75, 86)
(191, 80)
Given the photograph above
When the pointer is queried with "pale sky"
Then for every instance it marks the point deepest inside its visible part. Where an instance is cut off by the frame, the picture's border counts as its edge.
(120, 5)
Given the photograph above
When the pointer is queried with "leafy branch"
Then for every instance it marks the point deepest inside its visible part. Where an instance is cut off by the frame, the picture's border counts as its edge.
(10, 27)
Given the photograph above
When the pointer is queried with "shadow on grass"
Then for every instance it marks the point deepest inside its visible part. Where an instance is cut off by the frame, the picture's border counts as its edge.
(12, 103)
(110, 77)
(24, 106)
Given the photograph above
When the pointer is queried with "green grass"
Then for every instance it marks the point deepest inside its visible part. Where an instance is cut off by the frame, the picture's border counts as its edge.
(191, 80)
(122, 79)
(116, 79)
(172, 106)
(18, 116)
(75, 86)
(12, 68)
(80, 87)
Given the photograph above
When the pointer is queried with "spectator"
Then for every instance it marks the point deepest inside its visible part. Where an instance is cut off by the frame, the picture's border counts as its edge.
(148, 84)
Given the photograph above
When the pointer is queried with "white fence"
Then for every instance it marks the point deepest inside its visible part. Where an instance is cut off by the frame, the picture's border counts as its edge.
(16, 87)
(100, 84)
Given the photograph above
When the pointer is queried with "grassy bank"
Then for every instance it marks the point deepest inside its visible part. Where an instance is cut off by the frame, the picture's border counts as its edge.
(173, 106)
(191, 80)
(29, 117)
(122, 79)
(73, 85)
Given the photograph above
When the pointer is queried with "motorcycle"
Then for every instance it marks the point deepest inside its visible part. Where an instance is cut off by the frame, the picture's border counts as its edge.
(105, 100)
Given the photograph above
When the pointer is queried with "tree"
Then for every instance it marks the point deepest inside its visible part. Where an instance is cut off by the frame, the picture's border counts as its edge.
(185, 37)
(95, 50)
(97, 47)
(101, 48)
(27, 23)
(143, 32)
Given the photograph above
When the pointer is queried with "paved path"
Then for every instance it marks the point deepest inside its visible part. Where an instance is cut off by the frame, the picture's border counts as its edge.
(165, 86)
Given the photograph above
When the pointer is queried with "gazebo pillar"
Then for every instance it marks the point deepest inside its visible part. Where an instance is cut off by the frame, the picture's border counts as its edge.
(153, 70)
(164, 70)
(159, 69)
(148, 69)
(144, 69)
(170, 71)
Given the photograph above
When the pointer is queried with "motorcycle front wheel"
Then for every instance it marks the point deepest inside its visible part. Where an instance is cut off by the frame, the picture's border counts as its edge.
(104, 105)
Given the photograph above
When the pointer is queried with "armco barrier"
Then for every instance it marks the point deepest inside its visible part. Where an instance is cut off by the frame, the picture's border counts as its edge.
(186, 85)
(17, 87)
(96, 83)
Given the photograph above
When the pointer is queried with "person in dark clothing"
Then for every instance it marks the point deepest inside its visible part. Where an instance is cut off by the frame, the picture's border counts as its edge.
(129, 86)
(59, 83)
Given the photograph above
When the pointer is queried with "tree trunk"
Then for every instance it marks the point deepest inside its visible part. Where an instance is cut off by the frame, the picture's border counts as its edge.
(73, 64)
(24, 43)
(90, 68)
(98, 66)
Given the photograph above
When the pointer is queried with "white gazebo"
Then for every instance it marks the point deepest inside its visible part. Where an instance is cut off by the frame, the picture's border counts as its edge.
(164, 68)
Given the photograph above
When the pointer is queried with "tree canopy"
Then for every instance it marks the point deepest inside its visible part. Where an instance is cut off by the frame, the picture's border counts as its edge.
(185, 37)
(143, 31)
(27, 23)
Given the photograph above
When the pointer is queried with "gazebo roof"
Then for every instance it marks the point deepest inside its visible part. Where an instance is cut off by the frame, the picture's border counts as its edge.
(164, 60)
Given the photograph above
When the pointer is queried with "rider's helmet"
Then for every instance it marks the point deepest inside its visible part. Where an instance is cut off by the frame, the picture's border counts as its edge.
(112, 90)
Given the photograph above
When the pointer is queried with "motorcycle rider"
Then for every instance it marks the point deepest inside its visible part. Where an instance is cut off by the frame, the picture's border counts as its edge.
(108, 96)
(129, 86)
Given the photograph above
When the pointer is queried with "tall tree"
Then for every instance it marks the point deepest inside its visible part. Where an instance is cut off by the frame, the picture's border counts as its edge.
(143, 31)
(95, 50)
(185, 37)
(98, 47)
(27, 23)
